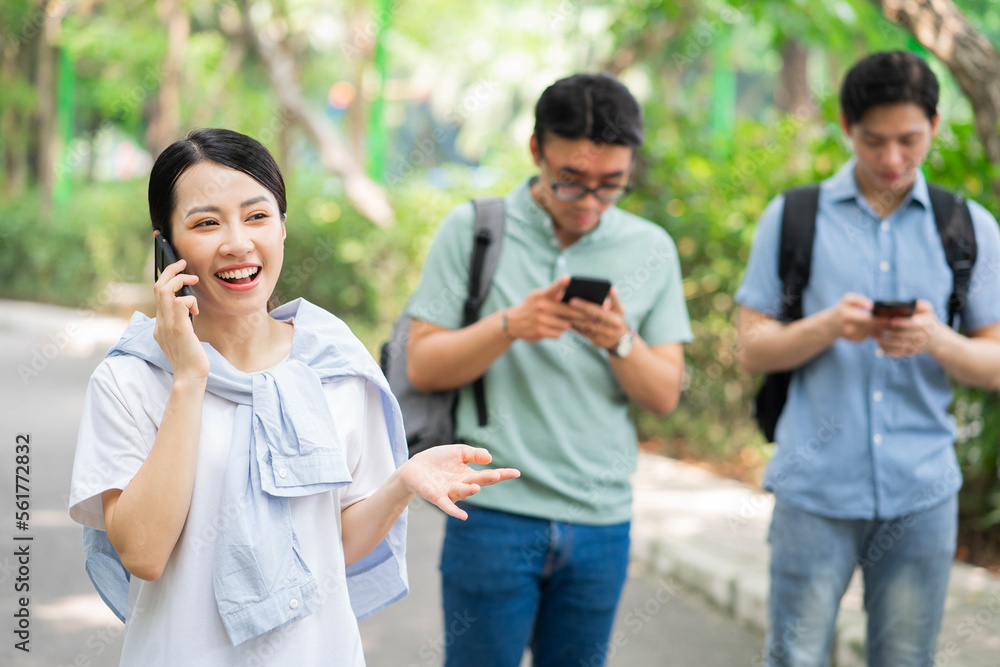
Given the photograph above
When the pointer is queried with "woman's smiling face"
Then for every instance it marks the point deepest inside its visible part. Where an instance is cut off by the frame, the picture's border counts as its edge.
(228, 228)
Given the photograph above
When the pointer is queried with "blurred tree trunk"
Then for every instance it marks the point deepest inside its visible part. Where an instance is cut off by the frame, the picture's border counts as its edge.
(236, 50)
(164, 127)
(45, 86)
(356, 120)
(365, 195)
(792, 95)
(944, 31)
(15, 161)
(15, 65)
(284, 143)
(647, 45)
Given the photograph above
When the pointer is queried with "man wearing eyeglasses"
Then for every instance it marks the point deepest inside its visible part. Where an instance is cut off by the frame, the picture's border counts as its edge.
(541, 564)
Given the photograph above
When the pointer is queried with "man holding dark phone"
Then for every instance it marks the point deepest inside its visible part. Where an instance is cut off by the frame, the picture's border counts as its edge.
(864, 472)
(594, 290)
(889, 309)
(543, 564)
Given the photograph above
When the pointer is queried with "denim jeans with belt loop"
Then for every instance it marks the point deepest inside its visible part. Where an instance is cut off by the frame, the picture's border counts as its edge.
(511, 581)
(905, 563)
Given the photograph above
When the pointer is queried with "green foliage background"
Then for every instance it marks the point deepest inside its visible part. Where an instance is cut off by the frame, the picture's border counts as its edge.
(705, 175)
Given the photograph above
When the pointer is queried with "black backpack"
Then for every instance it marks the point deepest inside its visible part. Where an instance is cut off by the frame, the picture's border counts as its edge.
(798, 227)
(429, 418)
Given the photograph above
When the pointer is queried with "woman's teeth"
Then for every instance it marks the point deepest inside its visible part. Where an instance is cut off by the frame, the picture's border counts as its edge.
(237, 274)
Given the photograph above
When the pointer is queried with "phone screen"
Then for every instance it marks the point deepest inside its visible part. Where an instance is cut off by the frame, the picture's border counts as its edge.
(164, 256)
(894, 308)
(594, 290)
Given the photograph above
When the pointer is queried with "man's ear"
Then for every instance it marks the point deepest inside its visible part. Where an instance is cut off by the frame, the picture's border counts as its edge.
(844, 125)
(934, 125)
(536, 149)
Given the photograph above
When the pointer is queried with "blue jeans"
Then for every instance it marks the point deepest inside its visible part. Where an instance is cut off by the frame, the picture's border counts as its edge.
(510, 581)
(905, 563)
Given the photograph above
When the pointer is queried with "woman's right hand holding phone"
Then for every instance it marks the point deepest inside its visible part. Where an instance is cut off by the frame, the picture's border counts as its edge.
(174, 330)
(145, 520)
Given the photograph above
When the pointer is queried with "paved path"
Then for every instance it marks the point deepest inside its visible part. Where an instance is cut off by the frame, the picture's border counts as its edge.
(659, 621)
(693, 531)
(710, 534)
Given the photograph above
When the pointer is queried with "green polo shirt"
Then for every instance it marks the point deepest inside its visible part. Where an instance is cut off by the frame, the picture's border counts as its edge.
(556, 411)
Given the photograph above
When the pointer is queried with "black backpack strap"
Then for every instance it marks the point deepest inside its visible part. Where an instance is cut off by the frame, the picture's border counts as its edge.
(798, 228)
(487, 237)
(954, 224)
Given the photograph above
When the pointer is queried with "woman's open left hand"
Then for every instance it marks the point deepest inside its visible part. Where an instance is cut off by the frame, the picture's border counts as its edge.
(442, 475)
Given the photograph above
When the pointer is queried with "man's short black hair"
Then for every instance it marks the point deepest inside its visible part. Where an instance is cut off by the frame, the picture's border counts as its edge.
(888, 77)
(589, 106)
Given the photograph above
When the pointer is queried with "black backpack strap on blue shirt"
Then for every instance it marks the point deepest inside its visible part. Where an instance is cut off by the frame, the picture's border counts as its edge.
(954, 224)
(487, 235)
(798, 228)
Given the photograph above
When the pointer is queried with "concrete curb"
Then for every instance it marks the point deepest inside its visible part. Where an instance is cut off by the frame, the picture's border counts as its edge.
(710, 535)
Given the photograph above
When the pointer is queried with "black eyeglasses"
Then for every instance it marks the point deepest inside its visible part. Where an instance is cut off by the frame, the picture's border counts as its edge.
(607, 194)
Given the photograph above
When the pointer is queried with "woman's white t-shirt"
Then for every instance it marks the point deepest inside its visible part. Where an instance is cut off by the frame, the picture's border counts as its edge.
(175, 620)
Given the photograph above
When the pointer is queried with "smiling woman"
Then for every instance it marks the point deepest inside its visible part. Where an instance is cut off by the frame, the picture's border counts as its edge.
(221, 202)
(247, 469)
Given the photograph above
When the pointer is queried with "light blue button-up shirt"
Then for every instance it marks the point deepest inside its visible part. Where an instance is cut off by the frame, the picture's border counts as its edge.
(864, 435)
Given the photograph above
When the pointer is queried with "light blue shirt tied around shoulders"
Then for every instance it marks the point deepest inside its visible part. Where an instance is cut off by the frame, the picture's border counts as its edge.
(864, 435)
(284, 445)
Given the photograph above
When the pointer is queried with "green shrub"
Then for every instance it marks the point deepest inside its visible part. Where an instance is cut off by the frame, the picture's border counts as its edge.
(100, 237)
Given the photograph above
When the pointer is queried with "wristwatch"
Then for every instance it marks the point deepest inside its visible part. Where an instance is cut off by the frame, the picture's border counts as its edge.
(624, 345)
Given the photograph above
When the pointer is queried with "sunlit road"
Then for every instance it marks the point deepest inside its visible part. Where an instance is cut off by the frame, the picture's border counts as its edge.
(67, 624)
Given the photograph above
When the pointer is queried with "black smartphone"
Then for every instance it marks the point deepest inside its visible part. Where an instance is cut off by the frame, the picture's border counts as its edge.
(894, 308)
(594, 290)
(164, 257)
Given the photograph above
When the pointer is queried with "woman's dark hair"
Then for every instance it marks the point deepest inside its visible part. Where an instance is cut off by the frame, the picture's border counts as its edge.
(230, 149)
(589, 106)
(888, 77)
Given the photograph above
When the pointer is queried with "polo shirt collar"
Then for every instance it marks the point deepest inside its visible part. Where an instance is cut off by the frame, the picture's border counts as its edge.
(537, 218)
(534, 215)
(843, 186)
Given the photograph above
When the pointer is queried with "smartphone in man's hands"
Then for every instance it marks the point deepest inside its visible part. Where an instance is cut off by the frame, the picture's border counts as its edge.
(894, 308)
(594, 290)
(164, 256)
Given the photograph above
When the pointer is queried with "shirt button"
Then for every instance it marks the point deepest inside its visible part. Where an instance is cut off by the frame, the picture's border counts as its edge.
(282, 473)
(294, 604)
(877, 439)
(885, 225)
(879, 353)
(877, 396)
(884, 266)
